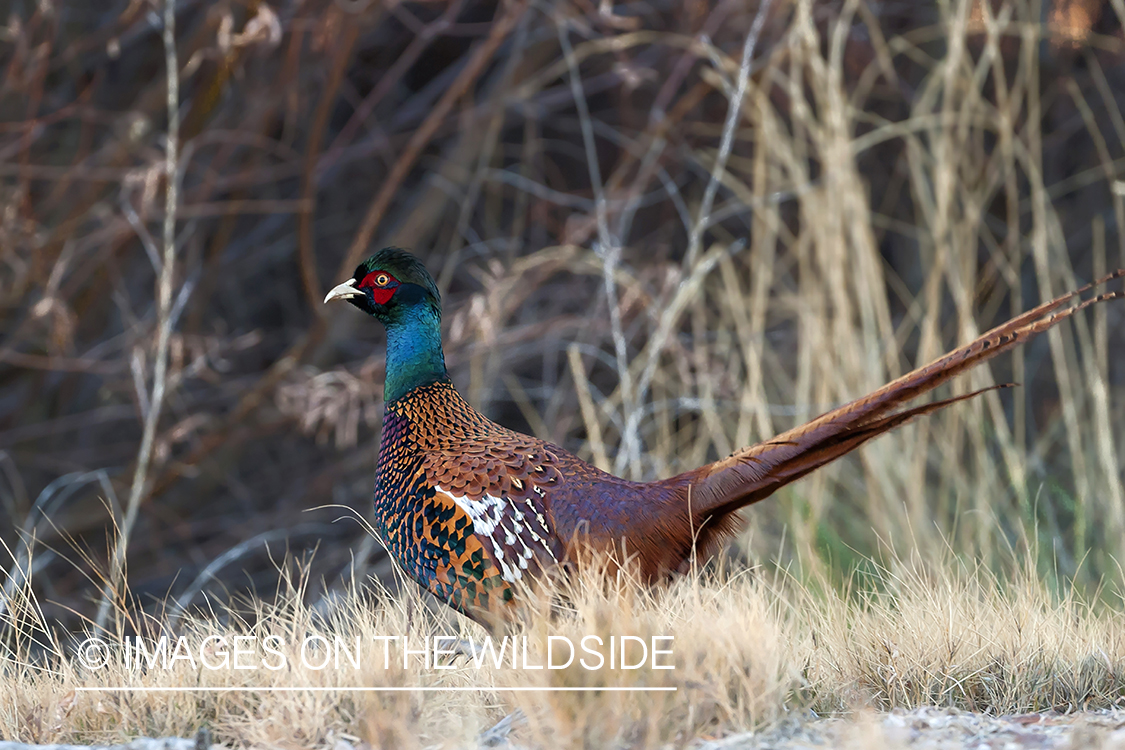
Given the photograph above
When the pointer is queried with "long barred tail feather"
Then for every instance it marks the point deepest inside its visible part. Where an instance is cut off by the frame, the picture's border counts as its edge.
(756, 472)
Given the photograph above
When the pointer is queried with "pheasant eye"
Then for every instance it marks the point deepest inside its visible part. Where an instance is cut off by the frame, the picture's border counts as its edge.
(377, 279)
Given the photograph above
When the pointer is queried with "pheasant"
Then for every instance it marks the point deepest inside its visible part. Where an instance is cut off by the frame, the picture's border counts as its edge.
(472, 510)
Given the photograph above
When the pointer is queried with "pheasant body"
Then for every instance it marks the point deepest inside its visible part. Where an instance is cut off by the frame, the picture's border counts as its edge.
(469, 508)
(441, 507)
(472, 510)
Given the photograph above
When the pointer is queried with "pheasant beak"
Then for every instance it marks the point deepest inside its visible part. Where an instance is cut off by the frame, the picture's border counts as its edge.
(343, 291)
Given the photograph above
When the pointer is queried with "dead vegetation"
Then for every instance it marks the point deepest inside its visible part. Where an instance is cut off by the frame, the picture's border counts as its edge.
(749, 650)
(663, 230)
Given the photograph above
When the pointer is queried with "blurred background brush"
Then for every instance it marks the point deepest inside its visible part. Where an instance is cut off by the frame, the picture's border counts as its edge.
(657, 240)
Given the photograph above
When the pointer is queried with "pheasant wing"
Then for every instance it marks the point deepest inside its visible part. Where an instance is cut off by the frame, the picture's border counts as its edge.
(497, 492)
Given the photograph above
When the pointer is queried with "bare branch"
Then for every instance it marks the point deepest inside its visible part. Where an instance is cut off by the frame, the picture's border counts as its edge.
(164, 318)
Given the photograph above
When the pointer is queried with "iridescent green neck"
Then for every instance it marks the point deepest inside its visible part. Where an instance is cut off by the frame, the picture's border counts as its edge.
(414, 356)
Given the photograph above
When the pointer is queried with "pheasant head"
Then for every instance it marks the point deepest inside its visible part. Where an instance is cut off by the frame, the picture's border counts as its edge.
(394, 287)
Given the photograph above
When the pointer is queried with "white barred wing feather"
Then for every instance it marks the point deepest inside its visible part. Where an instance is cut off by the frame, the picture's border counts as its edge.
(513, 529)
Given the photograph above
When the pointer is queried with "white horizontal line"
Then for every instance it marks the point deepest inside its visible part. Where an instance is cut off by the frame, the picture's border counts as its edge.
(419, 689)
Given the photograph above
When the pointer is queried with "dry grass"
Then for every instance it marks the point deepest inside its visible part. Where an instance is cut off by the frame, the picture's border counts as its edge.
(749, 651)
(650, 253)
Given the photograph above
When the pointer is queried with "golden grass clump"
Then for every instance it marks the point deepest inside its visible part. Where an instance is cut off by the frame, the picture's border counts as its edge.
(750, 651)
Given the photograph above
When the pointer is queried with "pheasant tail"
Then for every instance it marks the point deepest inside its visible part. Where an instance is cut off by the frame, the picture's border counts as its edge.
(754, 473)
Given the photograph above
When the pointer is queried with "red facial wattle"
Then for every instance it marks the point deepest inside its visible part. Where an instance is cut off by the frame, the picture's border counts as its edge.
(380, 293)
(382, 296)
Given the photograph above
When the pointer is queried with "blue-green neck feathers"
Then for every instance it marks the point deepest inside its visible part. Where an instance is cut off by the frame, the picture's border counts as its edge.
(414, 356)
